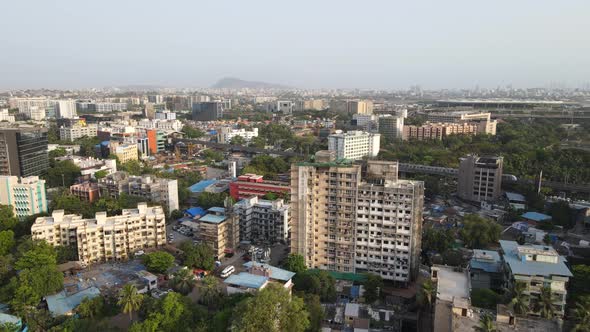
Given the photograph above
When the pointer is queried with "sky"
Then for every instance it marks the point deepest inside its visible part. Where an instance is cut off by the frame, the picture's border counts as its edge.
(307, 44)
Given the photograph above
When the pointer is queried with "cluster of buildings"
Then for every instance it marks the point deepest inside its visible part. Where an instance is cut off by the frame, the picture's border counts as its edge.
(442, 125)
(532, 266)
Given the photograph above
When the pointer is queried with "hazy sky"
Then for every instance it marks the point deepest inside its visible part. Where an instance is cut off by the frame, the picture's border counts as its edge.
(320, 43)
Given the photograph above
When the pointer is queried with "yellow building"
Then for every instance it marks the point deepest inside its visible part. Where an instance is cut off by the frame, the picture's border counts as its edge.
(126, 152)
(104, 238)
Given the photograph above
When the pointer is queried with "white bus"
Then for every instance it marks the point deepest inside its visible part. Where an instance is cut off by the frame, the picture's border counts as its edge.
(228, 271)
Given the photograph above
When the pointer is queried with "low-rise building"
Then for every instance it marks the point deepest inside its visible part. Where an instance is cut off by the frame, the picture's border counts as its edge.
(263, 220)
(26, 195)
(86, 191)
(104, 238)
(437, 131)
(76, 132)
(485, 270)
(126, 152)
(249, 185)
(89, 165)
(225, 134)
(257, 277)
(158, 190)
(535, 267)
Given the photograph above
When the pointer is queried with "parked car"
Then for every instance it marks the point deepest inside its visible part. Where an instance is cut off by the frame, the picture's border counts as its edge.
(139, 253)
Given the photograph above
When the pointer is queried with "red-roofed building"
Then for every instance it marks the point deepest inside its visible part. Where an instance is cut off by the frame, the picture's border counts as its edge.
(249, 185)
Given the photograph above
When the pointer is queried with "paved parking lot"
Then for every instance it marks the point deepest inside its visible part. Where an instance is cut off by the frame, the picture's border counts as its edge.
(178, 238)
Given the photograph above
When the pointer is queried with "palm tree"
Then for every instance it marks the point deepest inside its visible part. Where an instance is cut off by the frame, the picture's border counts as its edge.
(545, 303)
(520, 301)
(427, 293)
(183, 281)
(130, 299)
(210, 290)
(582, 315)
(486, 324)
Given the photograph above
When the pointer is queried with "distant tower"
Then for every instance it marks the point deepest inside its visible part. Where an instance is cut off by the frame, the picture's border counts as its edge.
(232, 168)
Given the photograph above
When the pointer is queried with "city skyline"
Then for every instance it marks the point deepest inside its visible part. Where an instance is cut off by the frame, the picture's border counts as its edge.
(304, 45)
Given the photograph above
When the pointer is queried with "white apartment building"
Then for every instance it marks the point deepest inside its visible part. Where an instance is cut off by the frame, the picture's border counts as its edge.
(90, 165)
(66, 109)
(343, 222)
(263, 220)
(165, 115)
(225, 134)
(104, 238)
(391, 126)
(36, 113)
(354, 145)
(77, 131)
(5, 116)
(165, 125)
(26, 195)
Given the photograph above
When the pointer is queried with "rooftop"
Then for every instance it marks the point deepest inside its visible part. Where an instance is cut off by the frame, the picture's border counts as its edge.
(201, 185)
(275, 272)
(486, 260)
(216, 209)
(244, 279)
(529, 267)
(536, 216)
(61, 304)
(211, 218)
(451, 284)
(515, 197)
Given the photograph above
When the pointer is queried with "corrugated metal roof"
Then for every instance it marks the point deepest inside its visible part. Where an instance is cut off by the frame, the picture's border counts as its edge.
(275, 272)
(61, 304)
(536, 216)
(211, 218)
(244, 279)
(517, 266)
(486, 260)
(201, 185)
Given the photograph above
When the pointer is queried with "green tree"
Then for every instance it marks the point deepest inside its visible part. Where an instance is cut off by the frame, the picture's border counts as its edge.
(580, 283)
(133, 167)
(207, 200)
(210, 291)
(198, 256)
(582, 315)
(478, 232)
(486, 324)
(427, 293)
(438, 240)
(101, 174)
(191, 132)
(520, 301)
(176, 214)
(373, 284)
(271, 310)
(316, 282)
(66, 254)
(59, 152)
(544, 304)
(130, 300)
(485, 298)
(63, 173)
(562, 214)
(295, 263)
(158, 262)
(258, 142)
(6, 242)
(316, 312)
(237, 140)
(183, 281)
(270, 196)
(10, 327)
(91, 308)
(7, 218)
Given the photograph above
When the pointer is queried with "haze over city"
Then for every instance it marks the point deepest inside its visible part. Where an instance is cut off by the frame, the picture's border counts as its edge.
(304, 44)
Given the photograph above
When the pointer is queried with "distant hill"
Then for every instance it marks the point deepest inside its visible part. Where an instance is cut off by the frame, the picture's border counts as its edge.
(236, 83)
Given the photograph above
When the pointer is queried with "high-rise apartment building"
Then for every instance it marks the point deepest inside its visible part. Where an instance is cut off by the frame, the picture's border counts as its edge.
(391, 126)
(207, 111)
(354, 145)
(480, 178)
(66, 109)
(438, 131)
(485, 124)
(104, 238)
(159, 190)
(26, 195)
(220, 230)
(23, 151)
(356, 217)
(263, 220)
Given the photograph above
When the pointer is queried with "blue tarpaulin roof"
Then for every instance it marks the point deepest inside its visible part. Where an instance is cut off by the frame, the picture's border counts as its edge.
(201, 185)
(536, 216)
(195, 211)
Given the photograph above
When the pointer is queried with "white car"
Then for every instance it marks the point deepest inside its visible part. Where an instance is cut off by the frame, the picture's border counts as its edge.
(139, 253)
